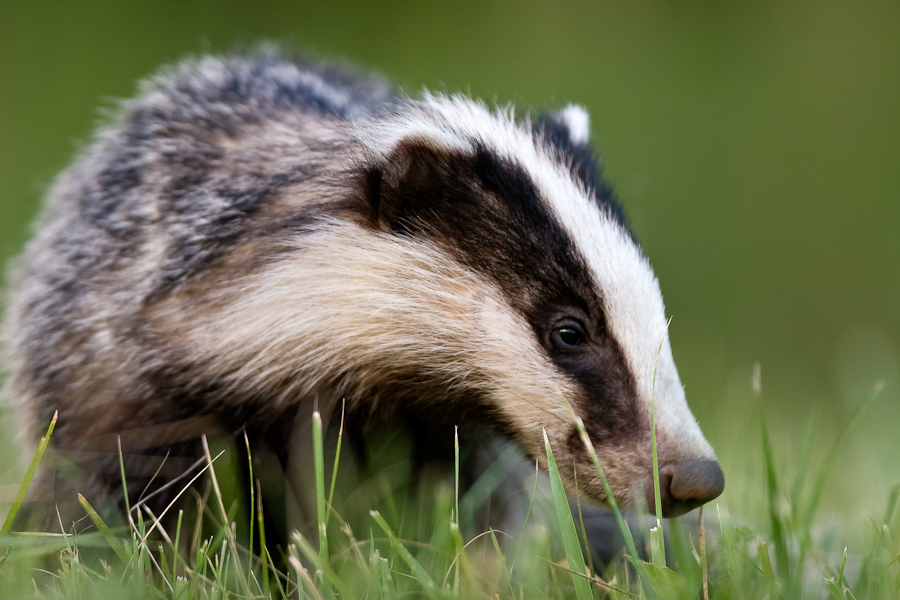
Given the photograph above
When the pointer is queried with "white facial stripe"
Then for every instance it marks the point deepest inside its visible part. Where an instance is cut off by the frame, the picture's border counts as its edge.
(635, 313)
(622, 276)
(381, 137)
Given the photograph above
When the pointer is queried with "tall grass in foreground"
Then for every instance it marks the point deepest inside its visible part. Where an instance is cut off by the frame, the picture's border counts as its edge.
(388, 539)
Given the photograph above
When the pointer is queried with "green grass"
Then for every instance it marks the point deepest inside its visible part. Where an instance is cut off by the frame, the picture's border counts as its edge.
(383, 538)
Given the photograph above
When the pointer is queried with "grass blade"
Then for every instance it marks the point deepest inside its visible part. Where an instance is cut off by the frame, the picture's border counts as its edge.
(226, 520)
(584, 535)
(324, 567)
(29, 475)
(114, 542)
(506, 572)
(773, 492)
(567, 526)
(264, 557)
(319, 456)
(765, 563)
(701, 535)
(527, 517)
(419, 572)
(803, 465)
(122, 474)
(772, 488)
(620, 520)
(852, 422)
(658, 544)
(657, 538)
(454, 526)
(337, 460)
(456, 470)
(891, 505)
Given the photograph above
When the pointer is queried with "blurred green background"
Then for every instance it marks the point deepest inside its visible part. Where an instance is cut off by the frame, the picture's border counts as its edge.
(754, 146)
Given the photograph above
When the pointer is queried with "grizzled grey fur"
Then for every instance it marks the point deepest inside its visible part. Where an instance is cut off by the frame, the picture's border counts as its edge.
(161, 198)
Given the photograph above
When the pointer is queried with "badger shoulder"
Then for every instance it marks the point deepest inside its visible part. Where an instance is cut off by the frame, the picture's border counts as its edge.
(176, 190)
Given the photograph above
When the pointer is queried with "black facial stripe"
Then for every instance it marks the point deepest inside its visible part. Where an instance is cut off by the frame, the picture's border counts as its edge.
(486, 211)
(564, 279)
(530, 248)
(602, 370)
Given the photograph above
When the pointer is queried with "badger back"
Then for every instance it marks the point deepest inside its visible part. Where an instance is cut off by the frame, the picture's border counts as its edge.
(255, 236)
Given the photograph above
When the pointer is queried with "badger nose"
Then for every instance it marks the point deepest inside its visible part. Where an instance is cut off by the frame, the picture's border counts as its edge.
(685, 486)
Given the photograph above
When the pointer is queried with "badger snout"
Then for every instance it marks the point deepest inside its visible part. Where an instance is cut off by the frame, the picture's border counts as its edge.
(685, 486)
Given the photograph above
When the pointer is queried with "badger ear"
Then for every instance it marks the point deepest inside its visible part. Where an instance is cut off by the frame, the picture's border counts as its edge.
(577, 122)
(412, 177)
(569, 127)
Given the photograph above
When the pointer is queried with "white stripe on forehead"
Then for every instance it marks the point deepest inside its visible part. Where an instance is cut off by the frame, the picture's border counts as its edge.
(621, 275)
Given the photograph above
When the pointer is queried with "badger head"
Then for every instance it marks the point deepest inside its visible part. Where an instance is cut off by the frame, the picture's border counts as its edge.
(552, 299)
(476, 265)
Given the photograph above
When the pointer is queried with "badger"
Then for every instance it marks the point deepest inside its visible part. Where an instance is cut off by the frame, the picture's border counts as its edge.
(257, 236)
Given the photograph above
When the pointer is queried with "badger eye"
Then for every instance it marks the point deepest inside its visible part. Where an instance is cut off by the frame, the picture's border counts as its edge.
(567, 337)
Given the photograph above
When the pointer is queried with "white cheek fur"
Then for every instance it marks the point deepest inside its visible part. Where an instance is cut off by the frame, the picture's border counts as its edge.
(355, 300)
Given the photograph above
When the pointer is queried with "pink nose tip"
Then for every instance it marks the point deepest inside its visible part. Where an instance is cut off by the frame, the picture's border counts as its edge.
(685, 486)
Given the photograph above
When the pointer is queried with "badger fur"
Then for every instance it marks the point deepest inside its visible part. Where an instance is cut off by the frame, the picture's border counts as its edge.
(256, 237)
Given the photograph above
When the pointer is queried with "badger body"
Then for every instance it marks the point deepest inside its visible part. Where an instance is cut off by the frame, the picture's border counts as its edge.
(257, 237)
